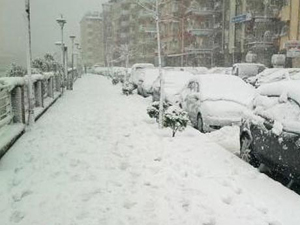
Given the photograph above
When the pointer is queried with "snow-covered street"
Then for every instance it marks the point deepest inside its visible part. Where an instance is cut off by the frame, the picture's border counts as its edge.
(96, 158)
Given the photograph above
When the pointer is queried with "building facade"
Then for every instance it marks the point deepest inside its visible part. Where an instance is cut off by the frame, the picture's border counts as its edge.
(91, 33)
(200, 32)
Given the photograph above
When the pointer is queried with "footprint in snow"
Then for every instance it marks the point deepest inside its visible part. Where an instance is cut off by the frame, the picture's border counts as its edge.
(129, 205)
(17, 216)
(227, 199)
(19, 197)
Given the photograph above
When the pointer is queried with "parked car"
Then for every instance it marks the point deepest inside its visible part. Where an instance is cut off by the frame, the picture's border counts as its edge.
(136, 71)
(220, 70)
(193, 70)
(275, 74)
(146, 79)
(214, 100)
(246, 70)
(272, 135)
(174, 81)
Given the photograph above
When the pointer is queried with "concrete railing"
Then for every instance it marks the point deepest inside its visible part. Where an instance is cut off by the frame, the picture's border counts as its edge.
(14, 107)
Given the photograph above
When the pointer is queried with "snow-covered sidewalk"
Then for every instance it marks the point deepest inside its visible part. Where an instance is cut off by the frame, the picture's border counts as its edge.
(95, 158)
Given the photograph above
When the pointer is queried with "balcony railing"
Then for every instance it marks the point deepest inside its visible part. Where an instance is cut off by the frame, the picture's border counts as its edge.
(200, 31)
(200, 11)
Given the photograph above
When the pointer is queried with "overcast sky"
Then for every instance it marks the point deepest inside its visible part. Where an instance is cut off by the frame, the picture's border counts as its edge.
(45, 30)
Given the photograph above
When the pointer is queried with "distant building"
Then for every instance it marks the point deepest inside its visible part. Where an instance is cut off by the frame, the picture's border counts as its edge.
(255, 28)
(290, 32)
(91, 29)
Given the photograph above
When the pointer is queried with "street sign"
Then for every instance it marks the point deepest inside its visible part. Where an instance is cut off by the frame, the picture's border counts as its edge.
(242, 18)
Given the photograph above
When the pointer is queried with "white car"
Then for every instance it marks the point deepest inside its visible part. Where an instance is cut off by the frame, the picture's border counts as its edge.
(213, 101)
(246, 70)
(220, 70)
(136, 71)
(174, 81)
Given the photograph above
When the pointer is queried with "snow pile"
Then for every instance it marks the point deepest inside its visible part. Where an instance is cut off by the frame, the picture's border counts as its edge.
(97, 158)
(227, 137)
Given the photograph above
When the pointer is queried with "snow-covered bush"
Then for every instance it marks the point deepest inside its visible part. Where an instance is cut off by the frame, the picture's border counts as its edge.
(153, 110)
(176, 119)
(127, 88)
(115, 81)
(16, 71)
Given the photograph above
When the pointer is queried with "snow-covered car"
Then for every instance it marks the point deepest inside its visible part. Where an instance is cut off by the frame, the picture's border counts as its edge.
(146, 79)
(220, 70)
(193, 70)
(174, 81)
(136, 71)
(273, 75)
(272, 134)
(214, 100)
(246, 70)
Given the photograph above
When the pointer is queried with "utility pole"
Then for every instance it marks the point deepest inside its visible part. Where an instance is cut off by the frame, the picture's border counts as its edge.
(29, 60)
(161, 99)
(72, 59)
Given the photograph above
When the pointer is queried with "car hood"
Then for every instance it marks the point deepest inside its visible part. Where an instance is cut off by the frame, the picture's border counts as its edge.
(223, 109)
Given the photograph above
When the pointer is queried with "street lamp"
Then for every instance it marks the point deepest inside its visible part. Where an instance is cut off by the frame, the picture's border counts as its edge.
(61, 21)
(78, 49)
(29, 61)
(72, 37)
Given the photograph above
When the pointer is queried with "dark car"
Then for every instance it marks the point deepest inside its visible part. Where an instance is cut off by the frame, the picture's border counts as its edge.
(272, 135)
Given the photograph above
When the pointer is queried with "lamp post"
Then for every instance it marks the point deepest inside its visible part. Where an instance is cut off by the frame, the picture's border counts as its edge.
(61, 21)
(77, 59)
(29, 60)
(72, 37)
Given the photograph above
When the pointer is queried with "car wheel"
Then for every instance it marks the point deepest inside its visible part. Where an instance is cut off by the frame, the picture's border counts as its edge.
(200, 123)
(246, 150)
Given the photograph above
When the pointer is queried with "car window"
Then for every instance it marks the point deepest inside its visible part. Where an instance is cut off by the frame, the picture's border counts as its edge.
(193, 86)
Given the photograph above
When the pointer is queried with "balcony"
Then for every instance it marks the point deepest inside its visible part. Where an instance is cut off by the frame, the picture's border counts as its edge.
(145, 15)
(125, 12)
(148, 29)
(200, 11)
(261, 42)
(201, 31)
(124, 24)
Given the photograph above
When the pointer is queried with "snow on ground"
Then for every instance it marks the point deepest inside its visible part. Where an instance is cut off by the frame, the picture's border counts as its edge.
(227, 137)
(95, 158)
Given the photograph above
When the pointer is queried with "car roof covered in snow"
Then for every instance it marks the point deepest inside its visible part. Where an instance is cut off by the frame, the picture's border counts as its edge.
(220, 87)
(291, 88)
(277, 74)
(142, 65)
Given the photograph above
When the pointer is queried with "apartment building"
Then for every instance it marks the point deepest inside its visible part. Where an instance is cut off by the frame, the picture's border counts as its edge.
(192, 32)
(290, 33)
(254, 30)
(91, 29)
(202, 32)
